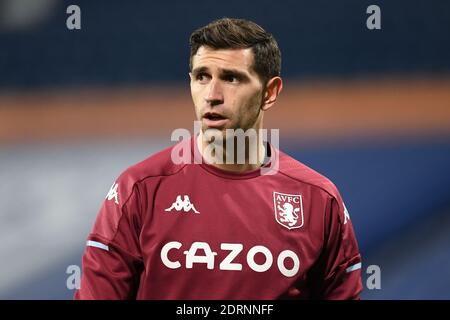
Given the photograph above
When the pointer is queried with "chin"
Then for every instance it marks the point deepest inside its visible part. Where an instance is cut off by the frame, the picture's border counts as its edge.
(214, 131)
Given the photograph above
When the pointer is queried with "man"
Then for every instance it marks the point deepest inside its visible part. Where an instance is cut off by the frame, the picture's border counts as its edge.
(224, 229)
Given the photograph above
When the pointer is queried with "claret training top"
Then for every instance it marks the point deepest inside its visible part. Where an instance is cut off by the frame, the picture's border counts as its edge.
(193, 231)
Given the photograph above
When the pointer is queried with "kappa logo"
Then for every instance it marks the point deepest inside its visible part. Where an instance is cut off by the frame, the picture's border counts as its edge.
(346, 214)
(186, 205)
(112, 194)
(288, 209)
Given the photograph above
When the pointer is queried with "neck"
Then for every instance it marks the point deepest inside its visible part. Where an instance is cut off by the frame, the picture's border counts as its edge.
(230, 155)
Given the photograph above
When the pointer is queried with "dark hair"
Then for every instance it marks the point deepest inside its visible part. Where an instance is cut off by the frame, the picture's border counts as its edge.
(228, 33)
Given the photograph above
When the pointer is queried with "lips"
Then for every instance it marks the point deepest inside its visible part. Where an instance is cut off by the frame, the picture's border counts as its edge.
(214, 120)
(213, 116)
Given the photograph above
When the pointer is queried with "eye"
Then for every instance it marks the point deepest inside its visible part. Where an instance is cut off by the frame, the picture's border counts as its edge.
(231, 78)
(201, 77)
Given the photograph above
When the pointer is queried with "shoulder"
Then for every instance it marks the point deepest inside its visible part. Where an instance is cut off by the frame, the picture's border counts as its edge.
(300, 172)
(328, 191)
(156, 166)
(125, 199)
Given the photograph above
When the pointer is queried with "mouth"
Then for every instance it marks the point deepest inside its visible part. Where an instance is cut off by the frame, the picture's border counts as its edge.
(214, 120)
(213, 116)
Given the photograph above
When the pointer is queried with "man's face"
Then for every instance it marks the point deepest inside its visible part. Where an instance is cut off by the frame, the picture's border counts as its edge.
(226, 91)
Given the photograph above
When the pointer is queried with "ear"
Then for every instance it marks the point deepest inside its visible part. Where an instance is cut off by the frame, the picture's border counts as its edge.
(271, 92)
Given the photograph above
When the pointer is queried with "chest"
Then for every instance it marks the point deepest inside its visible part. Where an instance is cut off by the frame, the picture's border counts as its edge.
(228, 225)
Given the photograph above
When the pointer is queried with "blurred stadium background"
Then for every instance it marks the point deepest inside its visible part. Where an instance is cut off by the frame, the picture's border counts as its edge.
(369, 109)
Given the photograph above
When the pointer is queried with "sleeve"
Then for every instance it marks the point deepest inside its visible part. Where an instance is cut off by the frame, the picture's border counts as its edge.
(112, 262)
(338, 271)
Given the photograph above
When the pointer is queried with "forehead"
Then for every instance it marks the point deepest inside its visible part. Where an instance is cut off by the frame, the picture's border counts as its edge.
(224, 58)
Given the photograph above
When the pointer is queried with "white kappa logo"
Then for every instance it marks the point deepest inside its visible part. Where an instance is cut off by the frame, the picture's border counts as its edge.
(184, 205)
(288, 209)
(112, 194)
(346, 214)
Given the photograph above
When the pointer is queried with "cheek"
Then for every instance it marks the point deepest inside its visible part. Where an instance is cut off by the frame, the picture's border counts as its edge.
(250, 105)
(195, 93)
(196, 98)
(243, 110)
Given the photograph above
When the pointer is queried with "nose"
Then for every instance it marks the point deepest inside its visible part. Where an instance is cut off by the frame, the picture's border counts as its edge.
(214, 94)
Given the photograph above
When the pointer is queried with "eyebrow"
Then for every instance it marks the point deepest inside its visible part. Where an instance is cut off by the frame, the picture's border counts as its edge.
(223, 72)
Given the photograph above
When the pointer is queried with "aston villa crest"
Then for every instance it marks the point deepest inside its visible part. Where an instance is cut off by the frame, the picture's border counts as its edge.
(288, 209)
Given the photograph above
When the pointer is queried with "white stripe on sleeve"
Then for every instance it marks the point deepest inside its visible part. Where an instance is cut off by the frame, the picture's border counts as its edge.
(96, 244)
(353, 267)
